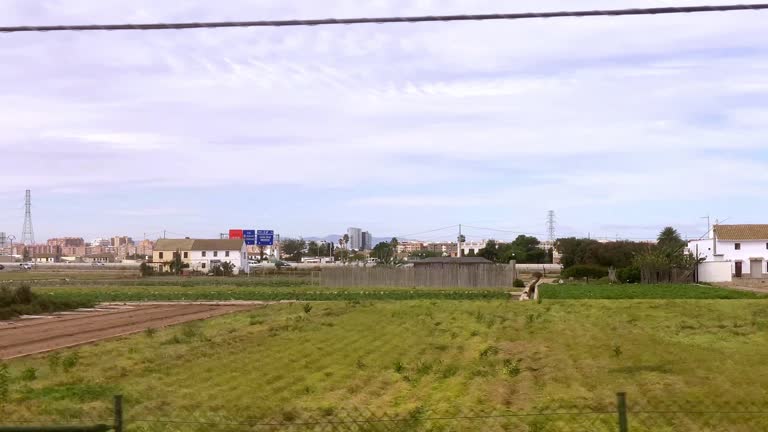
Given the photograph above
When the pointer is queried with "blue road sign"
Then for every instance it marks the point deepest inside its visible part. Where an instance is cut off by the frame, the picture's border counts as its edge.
(250, 237)
(265, 237)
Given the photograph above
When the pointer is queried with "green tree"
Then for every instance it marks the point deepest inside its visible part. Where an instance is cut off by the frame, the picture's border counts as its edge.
(357, 256)
(575, 251)
(225, 268)
(177, 265)
(490, 251)
(313, 248)
(146, 269)
(384, 252)
(345, 240)
(341, 254)
(669, 240)
(293, 248)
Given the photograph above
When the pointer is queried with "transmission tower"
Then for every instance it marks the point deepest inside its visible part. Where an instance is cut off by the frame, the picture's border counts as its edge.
(551, 226)
(28, 234)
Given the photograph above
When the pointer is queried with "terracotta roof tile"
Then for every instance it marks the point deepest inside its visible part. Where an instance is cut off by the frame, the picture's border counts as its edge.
(742, 232)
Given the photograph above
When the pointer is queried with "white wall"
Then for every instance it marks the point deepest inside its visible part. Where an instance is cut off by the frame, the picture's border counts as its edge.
(715, 271)
(726, 251)
(237, 257)
(472, 245)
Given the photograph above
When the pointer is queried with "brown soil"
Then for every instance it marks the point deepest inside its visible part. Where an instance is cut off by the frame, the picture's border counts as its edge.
(31, 336)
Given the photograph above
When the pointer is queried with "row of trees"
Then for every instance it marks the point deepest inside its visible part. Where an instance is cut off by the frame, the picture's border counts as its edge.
(618, 254)
(524, 249)
(295, 249)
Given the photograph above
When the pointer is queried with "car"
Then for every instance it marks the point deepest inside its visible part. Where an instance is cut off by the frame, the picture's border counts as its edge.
(26, 266)
(282, 264)
(2, 267)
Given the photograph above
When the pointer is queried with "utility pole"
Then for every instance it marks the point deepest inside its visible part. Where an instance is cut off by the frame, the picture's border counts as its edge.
(458, 243)
(709, 225)
(163, 233)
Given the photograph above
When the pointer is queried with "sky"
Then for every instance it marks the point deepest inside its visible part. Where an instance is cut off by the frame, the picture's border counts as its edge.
(621, 125)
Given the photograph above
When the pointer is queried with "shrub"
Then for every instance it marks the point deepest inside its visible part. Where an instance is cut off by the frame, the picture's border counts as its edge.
(307, 308)
(23, 294)
(150, 332)
(511, 367)
(585, 271)
(628, 275)
(489, 351)
(146, 269)
(70, 361)
(54, 361)
(28, 374)
(518, 283)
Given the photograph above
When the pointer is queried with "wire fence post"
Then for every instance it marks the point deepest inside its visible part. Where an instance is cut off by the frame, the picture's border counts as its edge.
(621, 399)
(118, 427)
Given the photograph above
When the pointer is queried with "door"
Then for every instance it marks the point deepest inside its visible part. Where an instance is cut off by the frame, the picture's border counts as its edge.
(738, 268)
(755, 269)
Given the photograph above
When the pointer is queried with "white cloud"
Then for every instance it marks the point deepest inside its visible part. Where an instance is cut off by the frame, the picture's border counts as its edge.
(582, 113)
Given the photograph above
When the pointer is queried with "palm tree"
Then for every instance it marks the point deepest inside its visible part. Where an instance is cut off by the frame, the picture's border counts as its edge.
(670, 239)
(346, 239)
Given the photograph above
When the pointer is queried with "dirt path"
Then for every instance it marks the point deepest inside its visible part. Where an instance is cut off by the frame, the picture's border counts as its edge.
(31, 336)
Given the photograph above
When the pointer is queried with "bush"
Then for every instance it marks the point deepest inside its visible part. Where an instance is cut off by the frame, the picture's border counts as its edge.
(517, 283)
(70, 361)
(28, 374)
(146, 269)
(585, 271)
(628, 275)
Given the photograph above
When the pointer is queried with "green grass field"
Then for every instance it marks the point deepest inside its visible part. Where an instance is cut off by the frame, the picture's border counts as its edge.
(646, 292)
(446, 357)
(272, 289)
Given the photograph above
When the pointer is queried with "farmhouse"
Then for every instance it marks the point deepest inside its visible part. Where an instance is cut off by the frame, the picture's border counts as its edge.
(740, 251)
(43, 258)
(200, 254)
(99, 258)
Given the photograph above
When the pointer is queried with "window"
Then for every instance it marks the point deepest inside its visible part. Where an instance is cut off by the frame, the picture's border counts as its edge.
(215, 254)
(738, 246)
(203, 254)
(186, 255)
(203, 264)
(226, 253)
(766, 245)
(160, 255)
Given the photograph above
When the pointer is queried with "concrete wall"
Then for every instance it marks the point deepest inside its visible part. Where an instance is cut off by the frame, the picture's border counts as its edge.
(715, 271)
(544, 268)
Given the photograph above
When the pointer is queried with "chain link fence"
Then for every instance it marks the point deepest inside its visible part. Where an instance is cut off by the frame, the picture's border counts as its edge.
(621, 415)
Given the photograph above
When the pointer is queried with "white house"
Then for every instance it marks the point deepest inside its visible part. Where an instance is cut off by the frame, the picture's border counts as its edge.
(743, 247)
(202, 254)
(207, 253)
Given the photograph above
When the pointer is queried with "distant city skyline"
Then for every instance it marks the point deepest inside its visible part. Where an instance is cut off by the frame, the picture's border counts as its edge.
(400, 128)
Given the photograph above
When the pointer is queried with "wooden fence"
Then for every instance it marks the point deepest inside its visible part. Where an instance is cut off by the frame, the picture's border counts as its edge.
(652, 276)
(446, 276)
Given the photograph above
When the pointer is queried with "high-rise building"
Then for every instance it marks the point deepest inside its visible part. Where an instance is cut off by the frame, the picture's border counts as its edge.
(355, 238)
(118, 241)
(367, 241)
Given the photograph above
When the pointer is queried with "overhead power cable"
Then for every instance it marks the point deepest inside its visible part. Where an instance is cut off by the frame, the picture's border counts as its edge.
(388, 20)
